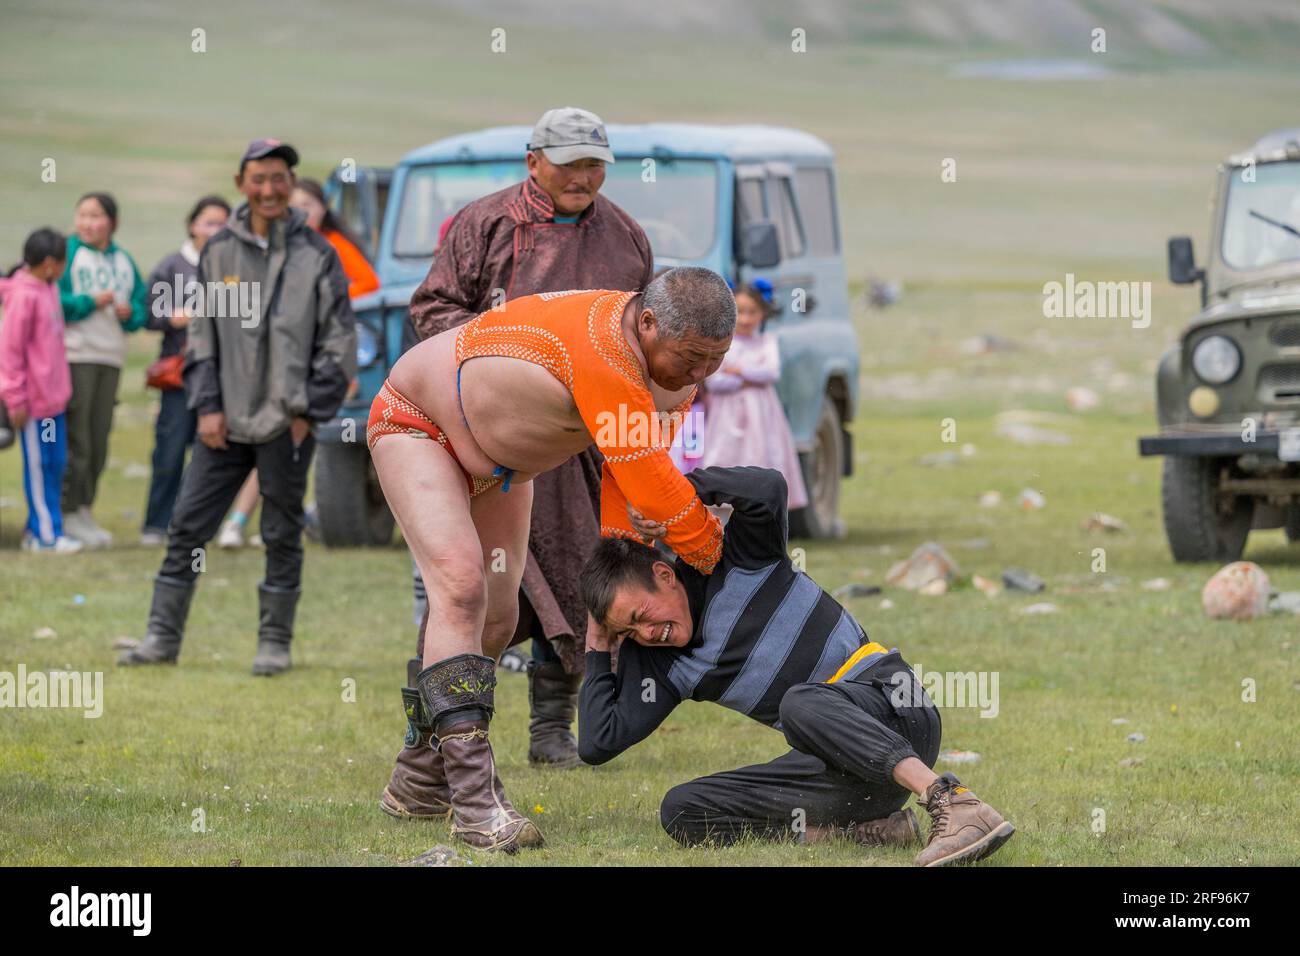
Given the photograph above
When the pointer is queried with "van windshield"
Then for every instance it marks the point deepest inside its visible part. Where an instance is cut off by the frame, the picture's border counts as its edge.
(674, 201)
(1257, 214)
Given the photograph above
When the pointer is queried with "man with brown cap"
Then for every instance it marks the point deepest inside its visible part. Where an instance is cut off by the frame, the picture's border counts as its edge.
(552, 232)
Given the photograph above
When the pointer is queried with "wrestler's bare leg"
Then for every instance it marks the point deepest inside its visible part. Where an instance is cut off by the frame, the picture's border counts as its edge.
(426, 492)
(502, 520)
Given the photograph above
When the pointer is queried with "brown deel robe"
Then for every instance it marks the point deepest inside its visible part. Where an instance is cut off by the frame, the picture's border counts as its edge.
(501, 247)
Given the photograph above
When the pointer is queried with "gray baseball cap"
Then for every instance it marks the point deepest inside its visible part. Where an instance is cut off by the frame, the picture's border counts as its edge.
(569, 133)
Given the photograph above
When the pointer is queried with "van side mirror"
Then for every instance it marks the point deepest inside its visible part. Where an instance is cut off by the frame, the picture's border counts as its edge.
(1182, 263)
(759, 247)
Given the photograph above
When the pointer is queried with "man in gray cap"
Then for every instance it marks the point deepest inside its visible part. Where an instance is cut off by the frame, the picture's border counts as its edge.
(566, 157)
(550, 233)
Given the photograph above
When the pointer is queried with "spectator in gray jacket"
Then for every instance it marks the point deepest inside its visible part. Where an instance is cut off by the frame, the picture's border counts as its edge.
(170, 284)
(270, 354)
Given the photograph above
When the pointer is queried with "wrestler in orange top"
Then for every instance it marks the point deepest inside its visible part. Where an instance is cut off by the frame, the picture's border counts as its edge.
(470, 416)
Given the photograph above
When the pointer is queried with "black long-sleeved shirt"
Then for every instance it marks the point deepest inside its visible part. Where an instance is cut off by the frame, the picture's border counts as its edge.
(760, 627)
(163, 279)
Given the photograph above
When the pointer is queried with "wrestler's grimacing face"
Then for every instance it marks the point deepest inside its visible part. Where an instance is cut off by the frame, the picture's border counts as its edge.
(658, 618)
(677, 363)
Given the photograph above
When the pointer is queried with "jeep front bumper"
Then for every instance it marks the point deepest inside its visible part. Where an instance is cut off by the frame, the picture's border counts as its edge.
(1283, 444)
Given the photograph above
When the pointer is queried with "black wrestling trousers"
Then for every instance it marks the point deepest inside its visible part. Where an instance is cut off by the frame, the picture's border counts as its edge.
(846, 736)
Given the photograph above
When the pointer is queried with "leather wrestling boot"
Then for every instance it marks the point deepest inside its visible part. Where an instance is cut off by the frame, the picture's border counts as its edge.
(166, 627)
(963, 828)
(552, 704)
(275, 607)
(482, 815)
(457, 695)
(898, 829)
(418, 788)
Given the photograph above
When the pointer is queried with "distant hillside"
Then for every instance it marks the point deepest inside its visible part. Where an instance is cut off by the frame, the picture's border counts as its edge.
(1134, 28)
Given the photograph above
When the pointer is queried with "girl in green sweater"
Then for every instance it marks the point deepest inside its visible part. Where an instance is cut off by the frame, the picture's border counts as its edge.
(103, 299)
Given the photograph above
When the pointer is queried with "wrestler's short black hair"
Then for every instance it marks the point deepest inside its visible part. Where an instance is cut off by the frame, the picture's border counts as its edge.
(616, 562)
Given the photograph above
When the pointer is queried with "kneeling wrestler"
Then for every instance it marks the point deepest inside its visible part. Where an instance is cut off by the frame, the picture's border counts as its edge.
(760, 637)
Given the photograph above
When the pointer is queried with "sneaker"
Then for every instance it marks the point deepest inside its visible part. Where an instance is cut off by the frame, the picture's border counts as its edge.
(513, 660)
(256, 541)
(232, 535)
(152, 539)
(76, 526)
(102, 538)
(60, 545)
(963, 828)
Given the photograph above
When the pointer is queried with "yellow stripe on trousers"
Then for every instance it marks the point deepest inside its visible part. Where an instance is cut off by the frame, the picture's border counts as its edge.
(871, 647)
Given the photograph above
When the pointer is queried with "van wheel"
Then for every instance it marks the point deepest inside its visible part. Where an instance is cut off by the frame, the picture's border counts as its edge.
(1201, 522)
(823, 467)
(350, 504)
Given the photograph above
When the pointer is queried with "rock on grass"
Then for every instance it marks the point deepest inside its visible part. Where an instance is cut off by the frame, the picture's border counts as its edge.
(1238, 591)
(929, 562)
(439, 855)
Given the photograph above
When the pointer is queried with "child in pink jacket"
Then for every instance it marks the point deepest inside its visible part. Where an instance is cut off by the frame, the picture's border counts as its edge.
(35, 385)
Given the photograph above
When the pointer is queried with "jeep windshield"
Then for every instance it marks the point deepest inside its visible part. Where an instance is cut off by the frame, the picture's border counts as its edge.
(677, 208)
(1252, 236)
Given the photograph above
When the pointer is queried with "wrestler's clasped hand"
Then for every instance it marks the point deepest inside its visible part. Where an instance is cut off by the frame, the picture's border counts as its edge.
(649, 530)
(652, 531)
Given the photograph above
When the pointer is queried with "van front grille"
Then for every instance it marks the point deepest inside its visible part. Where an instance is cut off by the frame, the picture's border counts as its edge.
(1279, 384)
(1285, 334)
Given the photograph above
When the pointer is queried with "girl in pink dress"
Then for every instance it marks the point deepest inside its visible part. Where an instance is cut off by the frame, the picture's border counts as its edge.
(746, 423)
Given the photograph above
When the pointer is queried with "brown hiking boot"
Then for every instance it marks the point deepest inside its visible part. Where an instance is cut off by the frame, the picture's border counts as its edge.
(418, 789)
(482, 816)
(456, 694)
(963, 828)
(552, 704)
(898, 829)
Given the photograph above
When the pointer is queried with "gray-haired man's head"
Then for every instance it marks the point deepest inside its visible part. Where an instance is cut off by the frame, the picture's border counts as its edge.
(686, 320)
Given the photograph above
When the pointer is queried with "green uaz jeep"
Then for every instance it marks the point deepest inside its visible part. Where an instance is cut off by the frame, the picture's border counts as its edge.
(1228, 396)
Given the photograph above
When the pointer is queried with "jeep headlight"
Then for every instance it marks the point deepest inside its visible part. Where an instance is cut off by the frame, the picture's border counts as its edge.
(367, 345)
(1216, 359)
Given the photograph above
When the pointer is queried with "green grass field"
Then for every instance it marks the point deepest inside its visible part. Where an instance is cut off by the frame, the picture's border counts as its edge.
(1086, 177)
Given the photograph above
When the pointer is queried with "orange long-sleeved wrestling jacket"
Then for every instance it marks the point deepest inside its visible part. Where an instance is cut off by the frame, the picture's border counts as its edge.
(578, 337)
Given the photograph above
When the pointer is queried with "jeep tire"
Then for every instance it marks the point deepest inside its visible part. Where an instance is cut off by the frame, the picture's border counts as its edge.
(1292, 524)
(1202, 523)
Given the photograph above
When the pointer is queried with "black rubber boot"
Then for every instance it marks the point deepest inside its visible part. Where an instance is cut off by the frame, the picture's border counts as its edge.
(274, 629)
(552, 704)
(166, 627)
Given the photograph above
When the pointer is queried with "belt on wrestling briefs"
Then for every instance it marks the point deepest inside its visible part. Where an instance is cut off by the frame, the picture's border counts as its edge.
(865, 657)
